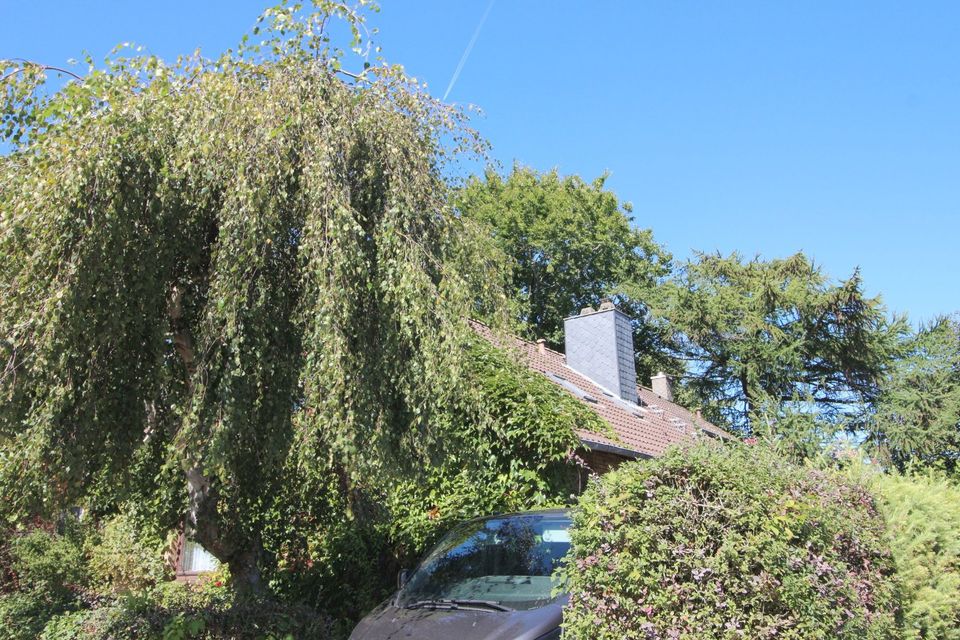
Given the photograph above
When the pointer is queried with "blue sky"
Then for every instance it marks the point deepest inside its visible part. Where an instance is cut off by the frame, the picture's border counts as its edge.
(762, 127)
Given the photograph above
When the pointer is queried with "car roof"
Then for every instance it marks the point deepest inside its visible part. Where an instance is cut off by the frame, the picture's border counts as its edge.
(564, 512)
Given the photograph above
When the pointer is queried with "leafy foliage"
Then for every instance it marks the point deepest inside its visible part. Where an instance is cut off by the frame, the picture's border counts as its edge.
(124, 559)
(338, 549)
(68, 583)
(769, 337)
(42, 573)
(728, 542)
(228, 268)
(916, 418)
(342, 550)
(46, 561)
(236, 289)
(923, 516)
(571, 244)
(514, 455)
(176, 611)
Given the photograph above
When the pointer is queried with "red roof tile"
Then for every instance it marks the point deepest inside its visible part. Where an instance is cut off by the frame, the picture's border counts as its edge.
(646, 430)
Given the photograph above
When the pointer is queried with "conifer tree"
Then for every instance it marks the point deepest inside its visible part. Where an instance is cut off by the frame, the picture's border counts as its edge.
(768, 339)
(916, 418)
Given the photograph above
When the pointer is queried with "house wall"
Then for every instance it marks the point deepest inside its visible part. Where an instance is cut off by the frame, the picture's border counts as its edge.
(600, 462)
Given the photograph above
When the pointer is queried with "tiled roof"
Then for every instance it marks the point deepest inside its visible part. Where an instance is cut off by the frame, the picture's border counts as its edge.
(641, 430)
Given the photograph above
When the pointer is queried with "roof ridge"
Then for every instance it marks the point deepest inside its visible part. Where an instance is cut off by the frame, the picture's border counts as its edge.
(531, 343)
(480, 322)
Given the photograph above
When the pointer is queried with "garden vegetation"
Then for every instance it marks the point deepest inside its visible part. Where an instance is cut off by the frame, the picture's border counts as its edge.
(729, 542)
(922, 511)
(234, 301)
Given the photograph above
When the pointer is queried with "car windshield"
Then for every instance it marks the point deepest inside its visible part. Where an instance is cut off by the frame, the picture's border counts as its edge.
(508, 561)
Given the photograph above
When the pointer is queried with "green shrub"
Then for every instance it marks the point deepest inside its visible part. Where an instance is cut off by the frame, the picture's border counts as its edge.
(23, 615)
(175, 611)
(47, 560)
(728, 542)
(43, 575)
(72, 625)
(923, 518)
(124, 559)
(76, 583)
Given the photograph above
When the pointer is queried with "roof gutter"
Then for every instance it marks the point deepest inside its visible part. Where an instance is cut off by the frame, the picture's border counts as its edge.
(609, 448)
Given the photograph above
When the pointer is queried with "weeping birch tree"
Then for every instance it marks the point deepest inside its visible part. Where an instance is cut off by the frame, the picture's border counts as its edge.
(232, 267)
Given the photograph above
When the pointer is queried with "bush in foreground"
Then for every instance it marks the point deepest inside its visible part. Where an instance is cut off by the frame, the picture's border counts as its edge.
(70, 581)
(923, 518)
(42, 573)
(123, 558)
(728, 542)
(175, 611)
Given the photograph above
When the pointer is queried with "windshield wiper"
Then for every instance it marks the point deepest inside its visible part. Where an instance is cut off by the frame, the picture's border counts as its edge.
(488, 604)
(457, 603)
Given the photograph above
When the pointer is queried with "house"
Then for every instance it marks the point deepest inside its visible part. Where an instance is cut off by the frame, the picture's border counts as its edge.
(599, 369)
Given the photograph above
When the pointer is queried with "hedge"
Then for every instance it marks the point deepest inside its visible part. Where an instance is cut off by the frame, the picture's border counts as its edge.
(71, 581)
(728, 542)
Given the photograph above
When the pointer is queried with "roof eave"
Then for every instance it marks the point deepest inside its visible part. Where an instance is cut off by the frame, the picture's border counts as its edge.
(610, 448)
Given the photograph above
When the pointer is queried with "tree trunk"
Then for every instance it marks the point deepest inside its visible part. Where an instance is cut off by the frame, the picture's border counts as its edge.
(747, 394)
(202, 518)
(241, 556)
(245, 569)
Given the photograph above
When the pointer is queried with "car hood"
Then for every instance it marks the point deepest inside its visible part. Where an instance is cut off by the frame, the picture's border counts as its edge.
(394, 623)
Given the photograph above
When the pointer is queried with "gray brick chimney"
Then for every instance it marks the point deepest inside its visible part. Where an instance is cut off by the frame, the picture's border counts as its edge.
(599, 345)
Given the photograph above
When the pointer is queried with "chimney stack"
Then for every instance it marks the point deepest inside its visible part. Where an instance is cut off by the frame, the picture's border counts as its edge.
(662, 386)
(599, 345)
(542, 345)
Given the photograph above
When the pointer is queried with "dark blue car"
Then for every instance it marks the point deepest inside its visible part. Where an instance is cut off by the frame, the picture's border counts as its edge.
(491, 578)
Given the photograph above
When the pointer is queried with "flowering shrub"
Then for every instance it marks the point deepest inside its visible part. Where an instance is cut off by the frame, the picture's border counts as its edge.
(728, 542)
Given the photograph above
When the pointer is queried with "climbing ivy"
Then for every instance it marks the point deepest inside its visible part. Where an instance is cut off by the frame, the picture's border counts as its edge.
(516, 451)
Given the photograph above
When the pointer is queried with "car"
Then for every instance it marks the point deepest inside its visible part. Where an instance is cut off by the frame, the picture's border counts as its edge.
(491, 578)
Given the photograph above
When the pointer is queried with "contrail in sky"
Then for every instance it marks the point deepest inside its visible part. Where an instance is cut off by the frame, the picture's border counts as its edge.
(466, 52)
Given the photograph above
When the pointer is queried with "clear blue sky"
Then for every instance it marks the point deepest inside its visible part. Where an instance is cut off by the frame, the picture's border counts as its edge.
(763, 127)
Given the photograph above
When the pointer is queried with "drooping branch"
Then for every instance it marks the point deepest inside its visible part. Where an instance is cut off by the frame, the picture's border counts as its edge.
(267, 324)
(42, 67)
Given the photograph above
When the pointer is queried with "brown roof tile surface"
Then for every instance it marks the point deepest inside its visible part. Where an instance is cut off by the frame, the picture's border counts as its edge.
(646, 430)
